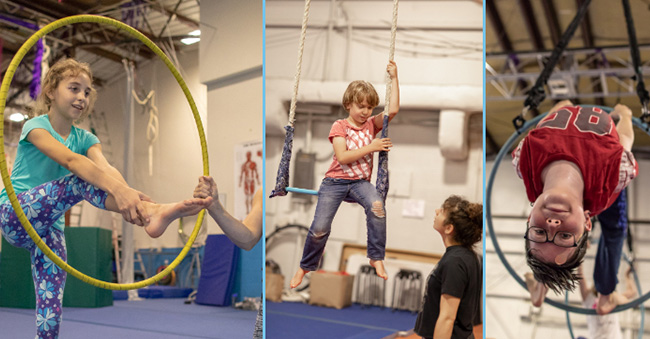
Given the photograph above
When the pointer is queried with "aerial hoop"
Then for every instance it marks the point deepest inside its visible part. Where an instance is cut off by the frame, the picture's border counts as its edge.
(4, 89)
(488, 216)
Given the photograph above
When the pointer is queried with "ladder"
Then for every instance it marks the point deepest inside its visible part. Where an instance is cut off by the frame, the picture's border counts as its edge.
(75, 214)
(138, 263)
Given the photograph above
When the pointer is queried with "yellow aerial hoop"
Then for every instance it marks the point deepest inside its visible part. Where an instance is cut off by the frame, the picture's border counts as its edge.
(4, 89)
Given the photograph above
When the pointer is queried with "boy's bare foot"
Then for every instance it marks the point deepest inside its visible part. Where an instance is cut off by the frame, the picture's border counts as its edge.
(379, 268)
(536, 289)
(297, 278)
(163, 214)
(607, 303)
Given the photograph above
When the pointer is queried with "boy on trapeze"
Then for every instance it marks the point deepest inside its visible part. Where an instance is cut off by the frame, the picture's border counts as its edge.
(348, 177)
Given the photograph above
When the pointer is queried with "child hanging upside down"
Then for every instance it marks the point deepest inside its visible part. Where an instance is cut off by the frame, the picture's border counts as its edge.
(348, 177)
(574, 164)
(58, 165)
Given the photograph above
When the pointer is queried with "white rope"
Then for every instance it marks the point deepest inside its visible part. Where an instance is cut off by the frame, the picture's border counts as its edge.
(152, 124)
(301, 47)
(391, 56)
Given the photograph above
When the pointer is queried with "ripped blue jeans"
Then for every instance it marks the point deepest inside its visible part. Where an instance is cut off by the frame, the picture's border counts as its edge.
(330, 195)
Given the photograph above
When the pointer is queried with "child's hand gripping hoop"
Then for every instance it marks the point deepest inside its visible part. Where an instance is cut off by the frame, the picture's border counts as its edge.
(4, 89)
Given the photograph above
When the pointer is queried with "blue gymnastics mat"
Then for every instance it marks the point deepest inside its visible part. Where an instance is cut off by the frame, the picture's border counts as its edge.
(145, 319)
(155, 292)
(218, 270)
(284, 320)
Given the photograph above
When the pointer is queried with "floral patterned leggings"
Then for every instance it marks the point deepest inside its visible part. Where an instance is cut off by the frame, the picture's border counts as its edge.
(44, 205)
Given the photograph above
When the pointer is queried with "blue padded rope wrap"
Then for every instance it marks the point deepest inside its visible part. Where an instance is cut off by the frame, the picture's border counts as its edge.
(282, 179)
(382, 169)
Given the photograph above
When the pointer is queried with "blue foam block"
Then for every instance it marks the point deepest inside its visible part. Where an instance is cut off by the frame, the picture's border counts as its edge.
(154, 292)
(120, 295)
(217, 271)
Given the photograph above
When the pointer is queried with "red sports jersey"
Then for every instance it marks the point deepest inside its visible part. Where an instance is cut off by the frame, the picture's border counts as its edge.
(586, 137)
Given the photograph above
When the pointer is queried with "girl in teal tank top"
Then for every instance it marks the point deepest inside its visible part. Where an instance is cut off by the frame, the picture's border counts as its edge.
(58, 165)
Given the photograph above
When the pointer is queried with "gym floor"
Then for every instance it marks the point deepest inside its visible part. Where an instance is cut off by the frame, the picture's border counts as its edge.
(143, 319)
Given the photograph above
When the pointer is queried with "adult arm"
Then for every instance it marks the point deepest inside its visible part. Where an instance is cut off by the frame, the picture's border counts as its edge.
(127, 199)
(445, 323)
(243, 234)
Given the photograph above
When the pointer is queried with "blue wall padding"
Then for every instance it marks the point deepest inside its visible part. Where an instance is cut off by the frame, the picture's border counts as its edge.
(220, 260)
(248, 279)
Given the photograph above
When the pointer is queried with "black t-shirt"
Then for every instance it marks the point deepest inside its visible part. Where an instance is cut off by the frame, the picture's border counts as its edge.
(458, 273)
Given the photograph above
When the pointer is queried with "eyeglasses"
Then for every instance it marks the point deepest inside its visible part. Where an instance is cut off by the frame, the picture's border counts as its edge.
(539, 235)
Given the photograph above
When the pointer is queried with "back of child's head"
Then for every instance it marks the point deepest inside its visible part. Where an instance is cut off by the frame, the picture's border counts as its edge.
(61, 70)
(359, 90)
(467, 219)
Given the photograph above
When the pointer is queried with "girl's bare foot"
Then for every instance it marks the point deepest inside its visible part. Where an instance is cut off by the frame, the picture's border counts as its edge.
(536, 289)
(379, 268)
(297, 278)
(161, 215)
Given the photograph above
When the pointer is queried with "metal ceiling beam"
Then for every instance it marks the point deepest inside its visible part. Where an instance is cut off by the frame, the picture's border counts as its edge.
(385, 28)
(537, 54)
(531, 24)
(588, 41)
(552, 21)
(585, 27)
(619, 72)
(56, 11)
(499, 28)
(48, 8)
(184, 19)
(506, 44)
(170, 16)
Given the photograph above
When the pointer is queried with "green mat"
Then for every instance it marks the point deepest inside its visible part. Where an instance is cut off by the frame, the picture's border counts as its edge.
(89, 251)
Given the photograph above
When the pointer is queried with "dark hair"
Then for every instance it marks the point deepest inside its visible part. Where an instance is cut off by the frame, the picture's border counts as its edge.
(558, 277)
(467, 219)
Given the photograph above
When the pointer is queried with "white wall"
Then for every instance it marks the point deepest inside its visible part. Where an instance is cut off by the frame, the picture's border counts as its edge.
(229, 98)
(230, 106)
(418, 171)
(177, 162)
(507, 305)
(231, 67)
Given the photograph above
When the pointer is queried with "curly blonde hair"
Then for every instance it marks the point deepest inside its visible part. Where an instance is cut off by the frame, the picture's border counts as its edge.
(359, 90)
(61, 70)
